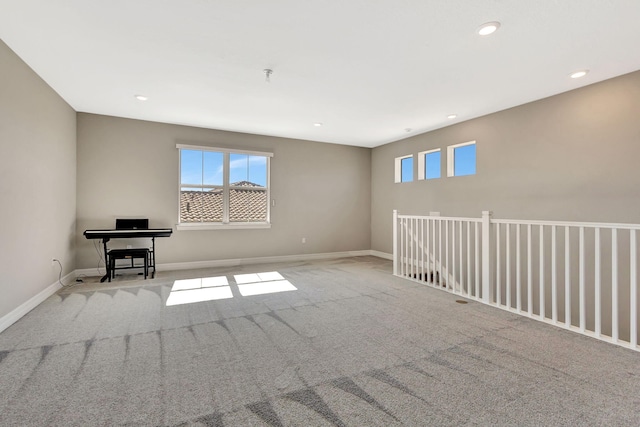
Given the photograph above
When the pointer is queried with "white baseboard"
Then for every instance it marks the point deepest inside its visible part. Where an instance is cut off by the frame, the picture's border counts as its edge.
(193, 265)
(13, 316)
(258, 260)
(381, 255)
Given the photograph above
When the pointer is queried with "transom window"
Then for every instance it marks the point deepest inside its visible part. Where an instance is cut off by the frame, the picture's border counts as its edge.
(461, 159)
(222, 187)
(404, 169)
(429, 164)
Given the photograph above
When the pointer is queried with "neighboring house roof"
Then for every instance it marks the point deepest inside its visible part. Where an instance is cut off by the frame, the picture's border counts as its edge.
(247, 204)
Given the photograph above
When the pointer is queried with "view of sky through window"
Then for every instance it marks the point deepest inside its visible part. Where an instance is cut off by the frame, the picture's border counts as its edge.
(406, 168)
(432, 165)
(206, 168)
(464, 160)
(244, 167)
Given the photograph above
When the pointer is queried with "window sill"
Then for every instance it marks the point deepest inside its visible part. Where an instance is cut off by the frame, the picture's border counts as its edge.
(214, 226)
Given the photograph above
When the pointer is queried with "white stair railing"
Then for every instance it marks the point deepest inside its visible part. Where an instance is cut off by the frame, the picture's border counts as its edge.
(576, 275)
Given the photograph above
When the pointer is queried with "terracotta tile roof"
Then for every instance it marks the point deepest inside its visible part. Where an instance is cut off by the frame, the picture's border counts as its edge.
(248, 204)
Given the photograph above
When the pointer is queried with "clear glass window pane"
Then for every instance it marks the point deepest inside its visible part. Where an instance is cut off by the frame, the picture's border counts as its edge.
(213, 168)
(406, 169)
(247, 205)
(432, 165)
(201, 206)
(191, 167)
(244, 168)
(190, 206)
(258, 170)
(464, 160)
(238, 168)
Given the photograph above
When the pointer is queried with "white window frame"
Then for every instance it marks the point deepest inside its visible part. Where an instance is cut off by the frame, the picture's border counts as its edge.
(422, 161)
(225, 224)
(451, 160)
(398, 168)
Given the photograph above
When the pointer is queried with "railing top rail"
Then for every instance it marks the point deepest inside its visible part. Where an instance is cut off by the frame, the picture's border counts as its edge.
(605, 225)
(567, 224)
(440, 218)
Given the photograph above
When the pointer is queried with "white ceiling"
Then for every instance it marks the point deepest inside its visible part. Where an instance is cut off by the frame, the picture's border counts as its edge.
(366, 69)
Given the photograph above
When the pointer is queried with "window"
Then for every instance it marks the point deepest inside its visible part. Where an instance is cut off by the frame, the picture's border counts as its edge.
(404, 169)
(223, 188)
(429, 164)
(461, 159)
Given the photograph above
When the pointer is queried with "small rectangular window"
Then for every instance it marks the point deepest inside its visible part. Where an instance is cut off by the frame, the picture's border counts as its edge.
(461, 159)
(404, 169)
(429, 164)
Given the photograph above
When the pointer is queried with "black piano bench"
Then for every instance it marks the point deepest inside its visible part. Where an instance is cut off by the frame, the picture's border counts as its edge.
(132, 254)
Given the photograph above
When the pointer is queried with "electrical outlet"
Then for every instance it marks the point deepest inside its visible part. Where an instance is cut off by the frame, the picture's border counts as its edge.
(54, 262)
(304, 240)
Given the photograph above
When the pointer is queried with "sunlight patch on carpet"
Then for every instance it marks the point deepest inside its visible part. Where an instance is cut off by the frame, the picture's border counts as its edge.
(189, 291)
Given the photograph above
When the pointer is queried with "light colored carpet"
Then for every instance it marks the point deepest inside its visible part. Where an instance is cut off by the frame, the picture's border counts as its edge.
(352, 346)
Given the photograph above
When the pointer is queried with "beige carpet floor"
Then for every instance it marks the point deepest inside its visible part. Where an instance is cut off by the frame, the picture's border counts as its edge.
(350, 346)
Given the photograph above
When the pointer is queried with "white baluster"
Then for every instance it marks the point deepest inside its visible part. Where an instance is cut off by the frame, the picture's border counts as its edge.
(477, 243)
(508, 267)
(402, 247)
(411, 243)
(446, 254)
(486, 257)
(395, 242)
(542, 296)
(440, 253)
(518, 278)
(598, 302)
(498, 284)
(529, 273)
(422, 246)
(468, 259)
(460, 270)
(633, 292)
(433, 252)
(567, 278)
(614, 285)
(583, 304)
(453, 256)
(554, 277)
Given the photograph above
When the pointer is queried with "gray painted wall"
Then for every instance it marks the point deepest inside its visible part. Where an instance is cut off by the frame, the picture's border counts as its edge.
(37, 183)
(130, 168)
(574, 156)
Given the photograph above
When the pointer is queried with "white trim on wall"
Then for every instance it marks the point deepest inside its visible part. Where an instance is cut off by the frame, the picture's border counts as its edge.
(24, 308)
(382, 255)
(257, 260)
(224, 150)
(450, 156)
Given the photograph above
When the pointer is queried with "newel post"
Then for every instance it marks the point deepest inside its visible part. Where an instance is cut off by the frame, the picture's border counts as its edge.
(395, 242)
(486, 256)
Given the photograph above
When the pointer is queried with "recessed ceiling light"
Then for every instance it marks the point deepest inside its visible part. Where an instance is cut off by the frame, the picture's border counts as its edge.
(452, 116)
(317, 124)
(578, 74)
(140, 97)
(488, 28)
